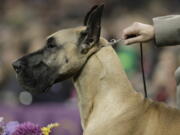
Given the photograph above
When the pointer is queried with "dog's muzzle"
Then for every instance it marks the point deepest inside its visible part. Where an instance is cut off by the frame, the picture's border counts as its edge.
(35, 78)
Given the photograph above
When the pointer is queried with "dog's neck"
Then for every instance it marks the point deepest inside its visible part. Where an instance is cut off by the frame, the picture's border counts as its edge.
(103, 88)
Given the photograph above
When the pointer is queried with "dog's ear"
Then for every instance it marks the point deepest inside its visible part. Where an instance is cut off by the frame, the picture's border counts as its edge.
(89, 13)
(93, 28)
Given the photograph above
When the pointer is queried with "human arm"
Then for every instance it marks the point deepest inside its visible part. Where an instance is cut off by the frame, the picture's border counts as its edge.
(165, 31)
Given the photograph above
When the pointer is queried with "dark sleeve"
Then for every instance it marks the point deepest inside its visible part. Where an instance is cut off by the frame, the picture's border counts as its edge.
(167, 30)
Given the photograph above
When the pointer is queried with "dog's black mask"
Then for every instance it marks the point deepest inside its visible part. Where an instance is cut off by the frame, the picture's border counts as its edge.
(33, 74)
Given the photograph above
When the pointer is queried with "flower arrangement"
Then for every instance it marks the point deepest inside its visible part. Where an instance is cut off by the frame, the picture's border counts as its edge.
(26, 128)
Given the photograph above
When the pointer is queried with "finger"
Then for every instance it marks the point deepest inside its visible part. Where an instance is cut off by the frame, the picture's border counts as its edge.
(133, 40)
(129, 31)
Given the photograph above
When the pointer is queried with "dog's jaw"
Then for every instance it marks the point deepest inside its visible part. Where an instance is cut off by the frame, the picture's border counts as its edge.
(36, 81)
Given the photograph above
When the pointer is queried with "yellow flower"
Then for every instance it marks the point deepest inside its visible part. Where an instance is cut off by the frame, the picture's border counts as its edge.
(47, 130)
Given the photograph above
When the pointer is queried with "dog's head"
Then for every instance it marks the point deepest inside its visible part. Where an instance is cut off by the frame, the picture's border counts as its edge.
(63, 55)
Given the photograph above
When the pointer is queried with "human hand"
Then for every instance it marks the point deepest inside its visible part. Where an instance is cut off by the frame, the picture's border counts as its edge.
(138, 32)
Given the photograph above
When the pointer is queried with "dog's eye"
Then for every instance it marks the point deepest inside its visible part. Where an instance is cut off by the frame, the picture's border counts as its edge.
(51, 45)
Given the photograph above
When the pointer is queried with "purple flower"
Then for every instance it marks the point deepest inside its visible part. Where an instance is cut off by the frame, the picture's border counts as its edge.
(10, 127)
(28, 128)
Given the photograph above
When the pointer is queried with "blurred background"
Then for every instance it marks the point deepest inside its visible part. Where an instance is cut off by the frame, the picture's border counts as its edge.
(24, 25)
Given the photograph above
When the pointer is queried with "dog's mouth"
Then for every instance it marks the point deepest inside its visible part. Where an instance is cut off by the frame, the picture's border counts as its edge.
(37, 79)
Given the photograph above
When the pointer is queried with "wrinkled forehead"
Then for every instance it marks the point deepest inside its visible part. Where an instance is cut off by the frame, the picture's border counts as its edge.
(67, 35)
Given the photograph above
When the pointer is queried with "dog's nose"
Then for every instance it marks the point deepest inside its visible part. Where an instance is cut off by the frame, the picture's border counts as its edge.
(17, 65)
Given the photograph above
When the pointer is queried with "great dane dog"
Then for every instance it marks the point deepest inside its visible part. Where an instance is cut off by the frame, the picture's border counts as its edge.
(107, 101)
